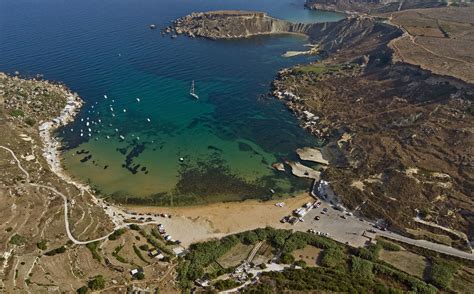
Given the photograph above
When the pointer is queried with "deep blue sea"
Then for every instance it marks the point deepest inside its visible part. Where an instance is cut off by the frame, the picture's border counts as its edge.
(175, 150)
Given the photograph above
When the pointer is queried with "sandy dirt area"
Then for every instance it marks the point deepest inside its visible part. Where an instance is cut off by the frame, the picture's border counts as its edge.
(224, 218)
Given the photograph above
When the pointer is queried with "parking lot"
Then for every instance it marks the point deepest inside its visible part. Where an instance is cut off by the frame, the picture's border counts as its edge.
(340, 226)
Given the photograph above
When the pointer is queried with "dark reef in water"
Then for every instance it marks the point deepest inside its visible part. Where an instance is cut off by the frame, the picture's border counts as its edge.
(85, 159)
(210, 181)
(135, 152)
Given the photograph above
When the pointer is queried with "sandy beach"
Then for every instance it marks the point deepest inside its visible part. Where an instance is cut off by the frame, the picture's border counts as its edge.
(231, 217)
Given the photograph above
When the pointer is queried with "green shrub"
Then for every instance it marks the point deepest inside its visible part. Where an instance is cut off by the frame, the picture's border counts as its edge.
(415, 284)
(134, 227)
(139, 254)
(200, 256)
(300, 263)
(287, 258)
(362, 268)
(116, 234)
(441, 272)
(82, 290)
(42, 244)
(93, 249)
(117, 256)
(249, 237)
(370, 253)
(226, 284)
(55, 251)
(144, 247)
(97, 283)
(139, 276)
(332, 257)
(30, 121)
(387, 245)
(17, 113)
(17, 240)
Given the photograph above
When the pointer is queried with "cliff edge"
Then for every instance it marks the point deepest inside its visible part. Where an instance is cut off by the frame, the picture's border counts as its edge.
(229, 24)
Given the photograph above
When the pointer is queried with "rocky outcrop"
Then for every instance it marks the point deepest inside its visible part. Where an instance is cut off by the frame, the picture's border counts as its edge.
(233, 24)
(371, 6)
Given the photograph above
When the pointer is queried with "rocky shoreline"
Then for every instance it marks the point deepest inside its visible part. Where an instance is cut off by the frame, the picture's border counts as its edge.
(51, 146)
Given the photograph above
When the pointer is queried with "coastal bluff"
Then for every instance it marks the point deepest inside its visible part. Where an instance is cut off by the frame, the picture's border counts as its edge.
(234, 24)
(231, 24)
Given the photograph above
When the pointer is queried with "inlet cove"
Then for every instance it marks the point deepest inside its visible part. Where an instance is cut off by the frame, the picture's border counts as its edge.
(140, 137)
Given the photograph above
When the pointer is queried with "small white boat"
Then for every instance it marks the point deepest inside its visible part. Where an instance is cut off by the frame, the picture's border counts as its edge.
(138, 99)
(122, 137)
(192, 92)
(124, 110)
(148, 120)
(105, 96)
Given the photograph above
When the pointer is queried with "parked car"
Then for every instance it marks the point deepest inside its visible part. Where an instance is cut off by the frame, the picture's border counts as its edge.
(317, 217)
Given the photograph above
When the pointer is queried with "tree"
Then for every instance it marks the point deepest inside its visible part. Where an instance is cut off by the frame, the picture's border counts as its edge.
(287, 258)
(97, 283)
(139, 276)
(82, 290)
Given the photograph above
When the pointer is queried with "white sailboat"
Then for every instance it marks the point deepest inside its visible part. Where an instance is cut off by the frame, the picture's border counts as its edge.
(191, 92)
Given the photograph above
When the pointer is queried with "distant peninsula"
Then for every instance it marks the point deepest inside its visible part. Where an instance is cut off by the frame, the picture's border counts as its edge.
(230, 24)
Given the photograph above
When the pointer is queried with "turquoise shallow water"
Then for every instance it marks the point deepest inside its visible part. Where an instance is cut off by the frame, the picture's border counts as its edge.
(228, 139)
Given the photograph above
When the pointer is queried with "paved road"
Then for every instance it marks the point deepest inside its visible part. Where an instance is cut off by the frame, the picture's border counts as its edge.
(428, 245)
(351, 230)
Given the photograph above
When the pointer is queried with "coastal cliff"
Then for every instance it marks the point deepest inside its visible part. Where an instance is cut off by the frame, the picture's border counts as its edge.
(231, 24)
(371, 6)
(241, 24)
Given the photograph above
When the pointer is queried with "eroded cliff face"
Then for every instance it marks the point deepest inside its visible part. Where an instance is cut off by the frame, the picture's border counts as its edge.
(351, 32)
(371, 6)
(233, 24)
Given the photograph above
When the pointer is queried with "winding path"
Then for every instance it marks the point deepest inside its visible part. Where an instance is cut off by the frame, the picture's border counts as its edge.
(66, 219)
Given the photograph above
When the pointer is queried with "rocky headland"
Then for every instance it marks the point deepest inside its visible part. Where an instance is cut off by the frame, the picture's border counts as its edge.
(230, 24)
